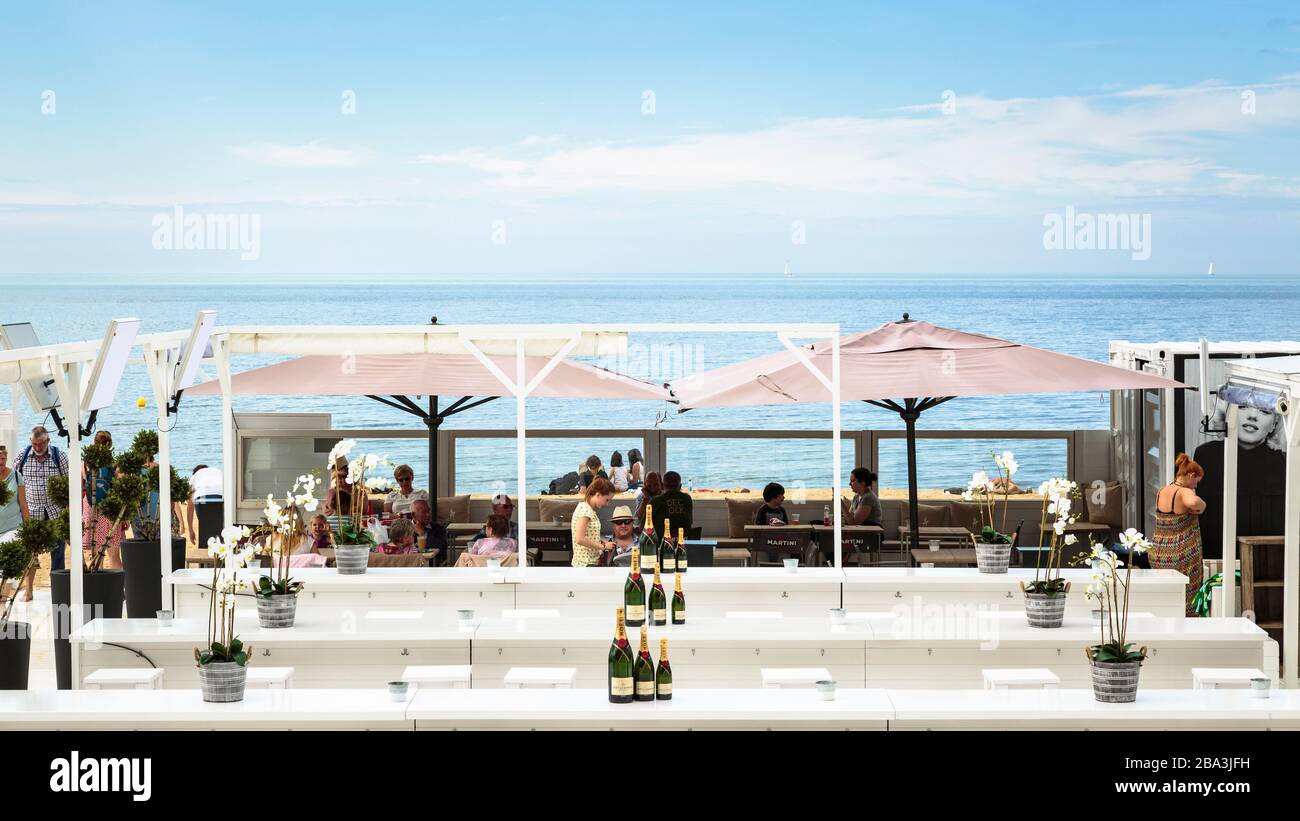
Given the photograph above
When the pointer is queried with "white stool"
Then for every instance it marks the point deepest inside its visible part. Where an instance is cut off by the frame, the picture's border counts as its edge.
(755, 614)
(559, 678)
(1021, 678)
(454, 676)
(530, 614)
(124, 678)
(774, 678)
(269, 678)
(1224, 678)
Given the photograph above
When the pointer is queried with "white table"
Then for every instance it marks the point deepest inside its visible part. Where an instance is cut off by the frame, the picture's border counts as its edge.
(589, 709)
(883, 589)
(710, 591)
(441, 590)
(351, 651)
(185, 709)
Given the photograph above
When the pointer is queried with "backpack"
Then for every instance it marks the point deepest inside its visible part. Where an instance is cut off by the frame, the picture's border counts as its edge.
(568, 483)
(27, 451)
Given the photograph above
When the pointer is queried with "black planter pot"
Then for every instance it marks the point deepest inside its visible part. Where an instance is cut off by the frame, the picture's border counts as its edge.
(15, 655)
(141, 562)
(101, 599)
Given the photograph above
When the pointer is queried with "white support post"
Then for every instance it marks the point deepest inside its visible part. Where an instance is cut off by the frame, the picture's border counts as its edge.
(1169, 444)
(837, 504)
(67, 382)
(159, 363)
(1291, 554)
(1230, 513)
(521, 401)
(221, 356)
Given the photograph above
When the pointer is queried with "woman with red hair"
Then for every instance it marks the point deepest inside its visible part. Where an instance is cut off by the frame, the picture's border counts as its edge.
(1176, 543)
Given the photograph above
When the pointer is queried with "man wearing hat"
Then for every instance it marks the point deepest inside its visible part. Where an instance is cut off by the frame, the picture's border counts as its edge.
(624, 539)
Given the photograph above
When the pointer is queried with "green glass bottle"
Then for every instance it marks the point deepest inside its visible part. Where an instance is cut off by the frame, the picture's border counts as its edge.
(664, 674)
(645, 671)
(667, 550)
(679, 603)
(620, 664)
(634, 592)
(649, 543)
(658, 602)
(681, 550)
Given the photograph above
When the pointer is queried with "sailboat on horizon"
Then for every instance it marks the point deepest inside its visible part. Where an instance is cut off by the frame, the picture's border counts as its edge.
(1211, 269)
(787, 269)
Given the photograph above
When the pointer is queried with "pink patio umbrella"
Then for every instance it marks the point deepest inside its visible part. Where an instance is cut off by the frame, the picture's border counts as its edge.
(907, 367)
(393, 379)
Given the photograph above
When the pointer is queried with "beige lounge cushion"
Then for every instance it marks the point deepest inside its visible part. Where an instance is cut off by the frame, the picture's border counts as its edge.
(931, 516)
(453, 509)
(550, 509)
(966, 514)
(1106, 505)
(740, 512)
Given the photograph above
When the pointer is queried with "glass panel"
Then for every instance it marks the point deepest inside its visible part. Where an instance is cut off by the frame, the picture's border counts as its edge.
(489, 465)
(949, 463)
(271, 464)
(731, 464)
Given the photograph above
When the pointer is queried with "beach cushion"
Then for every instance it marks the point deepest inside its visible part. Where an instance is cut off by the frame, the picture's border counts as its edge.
(740, 512)
(965, 514)
(931, 515)
(453, 509)
(1106, 505)
(549, 509)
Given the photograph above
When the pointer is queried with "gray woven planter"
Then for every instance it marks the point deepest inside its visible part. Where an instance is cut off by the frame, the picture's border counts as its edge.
(1115, 682)
(223, 681)
(992, 558)
(1044, 610)
(352, 559)
(277, 611)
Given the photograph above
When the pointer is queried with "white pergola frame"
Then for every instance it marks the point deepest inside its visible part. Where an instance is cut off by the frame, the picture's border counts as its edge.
(484, 341)
(1281, 375)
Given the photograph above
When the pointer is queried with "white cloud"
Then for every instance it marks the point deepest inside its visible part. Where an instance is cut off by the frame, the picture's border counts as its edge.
(307, 155)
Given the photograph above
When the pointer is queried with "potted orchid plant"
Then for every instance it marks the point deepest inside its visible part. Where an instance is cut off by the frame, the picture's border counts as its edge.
(1115, 663)
(353, 542)
(223, 662)
(277, 592)
(1045, 596)
(992, 544)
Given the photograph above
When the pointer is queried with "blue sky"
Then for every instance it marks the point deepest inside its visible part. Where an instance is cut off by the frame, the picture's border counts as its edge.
(516, 138)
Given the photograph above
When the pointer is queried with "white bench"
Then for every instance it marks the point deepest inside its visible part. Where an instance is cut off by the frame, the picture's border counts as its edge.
(774, 678)
(124, 678)
(755, 614)
(269, 678)
(546, 677)
(1022, 678)
(454, 676)
(1224, 678)
(530, 614)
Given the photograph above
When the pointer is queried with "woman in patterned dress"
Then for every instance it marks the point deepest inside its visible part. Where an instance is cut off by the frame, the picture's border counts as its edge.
(1176, 543)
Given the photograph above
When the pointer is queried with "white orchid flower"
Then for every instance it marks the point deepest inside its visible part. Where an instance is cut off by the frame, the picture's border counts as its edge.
(1071, 539)
(342, 449)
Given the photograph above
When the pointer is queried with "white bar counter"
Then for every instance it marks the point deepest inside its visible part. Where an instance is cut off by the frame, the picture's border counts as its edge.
(185, 709)
(325, 651)
(442, 590)
(883, 589)
(589, 709)
(709, 591)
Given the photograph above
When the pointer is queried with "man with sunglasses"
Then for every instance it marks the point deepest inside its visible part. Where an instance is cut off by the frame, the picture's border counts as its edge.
(502, 506)
(402, 501)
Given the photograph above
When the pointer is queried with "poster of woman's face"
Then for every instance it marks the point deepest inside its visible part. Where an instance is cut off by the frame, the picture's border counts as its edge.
(1255, 427)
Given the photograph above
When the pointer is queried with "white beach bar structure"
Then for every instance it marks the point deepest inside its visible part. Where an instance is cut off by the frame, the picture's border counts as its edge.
(1273, 384)
(485, 341)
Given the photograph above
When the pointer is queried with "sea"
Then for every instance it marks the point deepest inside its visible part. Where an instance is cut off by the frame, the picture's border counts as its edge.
(1074, 314)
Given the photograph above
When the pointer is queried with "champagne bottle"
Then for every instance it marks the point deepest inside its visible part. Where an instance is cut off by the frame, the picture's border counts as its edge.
(681, 550)
(679, 603)
(667, 550)
(664, 674)
(620, 664)
(658, 602)
(649, 543)
(634, 592)
(645, 671)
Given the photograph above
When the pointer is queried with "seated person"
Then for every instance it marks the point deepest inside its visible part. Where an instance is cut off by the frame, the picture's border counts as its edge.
(865, 507)
(319, 533)
(501, 506)
(772, 512)
(624, 526)
(434, 533)
(401, 501)
(498, 543)
(673, 504)
(401, 538)
(590, 470)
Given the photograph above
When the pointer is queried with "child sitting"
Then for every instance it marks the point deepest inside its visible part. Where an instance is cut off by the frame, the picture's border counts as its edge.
(497, 543)
(401, 537)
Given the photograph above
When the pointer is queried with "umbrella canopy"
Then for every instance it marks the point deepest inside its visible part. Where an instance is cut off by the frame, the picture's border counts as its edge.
(907, 359)
(907, 367)
(427, 375)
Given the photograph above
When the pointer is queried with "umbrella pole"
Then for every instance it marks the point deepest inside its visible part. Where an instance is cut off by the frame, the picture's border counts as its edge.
(433, 422)
(910, 414)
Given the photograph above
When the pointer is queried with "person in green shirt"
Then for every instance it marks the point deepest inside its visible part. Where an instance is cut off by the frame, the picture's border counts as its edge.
(673, 504)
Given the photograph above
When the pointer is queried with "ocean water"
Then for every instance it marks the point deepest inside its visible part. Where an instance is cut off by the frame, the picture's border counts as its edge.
(1072, 314)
